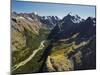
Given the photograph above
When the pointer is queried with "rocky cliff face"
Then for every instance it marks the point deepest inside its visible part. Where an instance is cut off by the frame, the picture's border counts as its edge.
(72, 40)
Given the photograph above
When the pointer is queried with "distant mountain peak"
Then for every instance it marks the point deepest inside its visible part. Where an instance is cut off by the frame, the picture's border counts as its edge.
(72, 18)
(70, 13)
(90, 18)
(36, 13)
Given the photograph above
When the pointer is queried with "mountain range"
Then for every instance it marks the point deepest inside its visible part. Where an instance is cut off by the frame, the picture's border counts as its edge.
(70, 42)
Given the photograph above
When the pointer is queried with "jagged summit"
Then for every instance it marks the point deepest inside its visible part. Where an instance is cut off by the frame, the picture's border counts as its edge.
(72, 18)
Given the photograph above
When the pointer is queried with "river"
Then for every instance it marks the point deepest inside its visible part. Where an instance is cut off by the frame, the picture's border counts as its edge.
(30, 57)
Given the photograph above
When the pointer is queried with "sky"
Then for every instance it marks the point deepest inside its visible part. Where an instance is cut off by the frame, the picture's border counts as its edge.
(52, 9)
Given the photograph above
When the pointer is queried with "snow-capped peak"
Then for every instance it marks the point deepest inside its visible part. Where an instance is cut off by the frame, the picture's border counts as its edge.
(70, 13)
(35, 13)
(76, 19)
(94, 22)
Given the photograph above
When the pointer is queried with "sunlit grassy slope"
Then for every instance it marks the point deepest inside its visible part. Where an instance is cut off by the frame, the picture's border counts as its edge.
(60, 55)
(28, 43)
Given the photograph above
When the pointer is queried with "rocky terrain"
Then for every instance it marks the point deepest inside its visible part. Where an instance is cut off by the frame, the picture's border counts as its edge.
(50, 44)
